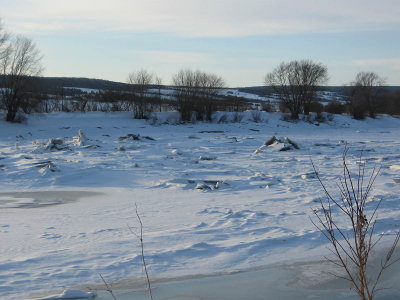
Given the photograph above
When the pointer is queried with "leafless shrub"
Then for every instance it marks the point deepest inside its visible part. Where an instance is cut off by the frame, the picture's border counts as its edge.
(335, 107)
(153, 119)
(353, 249)
(195, 91)
(223, 118)
(193, 118)
(320, 117)
(288, 118)
(256, 116)
(268, 107)
(316, 107)
(330, 117)
(237, 117)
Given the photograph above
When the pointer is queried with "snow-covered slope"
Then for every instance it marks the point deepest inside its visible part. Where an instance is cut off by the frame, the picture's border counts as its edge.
(211, 197)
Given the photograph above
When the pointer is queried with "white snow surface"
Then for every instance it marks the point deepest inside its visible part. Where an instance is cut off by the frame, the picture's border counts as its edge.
(249, 96)
(84, 90)
(208, 202)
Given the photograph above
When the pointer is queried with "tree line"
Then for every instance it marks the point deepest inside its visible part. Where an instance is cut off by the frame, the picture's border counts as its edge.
(195, 93)
(297, 82)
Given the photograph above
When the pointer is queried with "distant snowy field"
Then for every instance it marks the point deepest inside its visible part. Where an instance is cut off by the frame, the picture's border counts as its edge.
(211, 197)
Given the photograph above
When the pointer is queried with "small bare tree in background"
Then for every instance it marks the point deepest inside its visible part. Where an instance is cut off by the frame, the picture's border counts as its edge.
(20, 63)
(366, 91)
(140, 82)
(158, 85)
(353, 248)
(297, 83)
(211, 84)
(185, 92)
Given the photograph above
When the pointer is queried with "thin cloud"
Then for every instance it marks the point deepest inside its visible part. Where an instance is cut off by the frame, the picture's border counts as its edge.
(174, 57)
(388, 63)
(206, 18)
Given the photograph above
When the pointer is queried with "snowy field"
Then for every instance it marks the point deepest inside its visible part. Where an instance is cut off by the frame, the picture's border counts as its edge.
(212, 198)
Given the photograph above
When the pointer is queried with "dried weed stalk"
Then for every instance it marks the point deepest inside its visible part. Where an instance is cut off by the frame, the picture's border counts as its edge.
(140, 237)
(108, 287)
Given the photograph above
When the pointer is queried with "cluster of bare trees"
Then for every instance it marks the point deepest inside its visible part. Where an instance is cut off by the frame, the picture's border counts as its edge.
(196, 93)
(143, 102)
(297, 82)
(20, 62)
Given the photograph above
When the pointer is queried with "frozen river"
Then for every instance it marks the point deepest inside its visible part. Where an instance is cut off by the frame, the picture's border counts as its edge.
(284, 282)
(214, 198)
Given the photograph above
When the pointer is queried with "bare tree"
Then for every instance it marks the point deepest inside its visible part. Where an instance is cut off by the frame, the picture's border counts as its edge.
(352, 247)
(21, 62)
(367, 90)
(140, 82)
(211, 84)
(196, 92)
(296, 84)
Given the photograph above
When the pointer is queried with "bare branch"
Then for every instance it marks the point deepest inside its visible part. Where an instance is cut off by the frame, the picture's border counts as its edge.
(108, 287)
(353, 250)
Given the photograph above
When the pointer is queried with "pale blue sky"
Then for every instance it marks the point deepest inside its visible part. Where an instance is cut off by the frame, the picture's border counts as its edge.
(239, 40)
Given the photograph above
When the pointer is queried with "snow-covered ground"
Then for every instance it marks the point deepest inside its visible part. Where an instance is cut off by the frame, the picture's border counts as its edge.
(248, 96)
(212, 199)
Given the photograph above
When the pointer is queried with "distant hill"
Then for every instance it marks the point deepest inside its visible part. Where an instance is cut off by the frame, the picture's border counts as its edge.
(266, 90)
(52, 84)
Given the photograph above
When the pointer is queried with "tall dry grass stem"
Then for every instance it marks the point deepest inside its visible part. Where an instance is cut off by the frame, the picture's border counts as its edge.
(352, 248)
